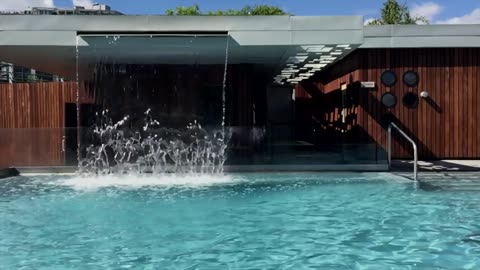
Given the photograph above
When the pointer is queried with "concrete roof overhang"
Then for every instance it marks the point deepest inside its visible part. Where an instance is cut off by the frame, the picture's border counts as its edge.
(49, 43)
(293, 46)
(422, 36)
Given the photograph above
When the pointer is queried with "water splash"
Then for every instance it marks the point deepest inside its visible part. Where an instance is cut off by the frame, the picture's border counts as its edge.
(120, 148)
(88, 183)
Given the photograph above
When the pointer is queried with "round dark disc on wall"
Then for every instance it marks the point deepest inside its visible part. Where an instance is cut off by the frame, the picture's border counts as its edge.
(387, 119)
(389, 100)
(389, 78)
(411, 78)
(410, 100)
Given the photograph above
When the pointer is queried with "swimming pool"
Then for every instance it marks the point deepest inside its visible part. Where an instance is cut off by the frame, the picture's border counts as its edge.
(250, 221)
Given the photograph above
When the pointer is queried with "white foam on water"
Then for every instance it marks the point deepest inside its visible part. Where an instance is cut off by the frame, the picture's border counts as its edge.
(139, 181)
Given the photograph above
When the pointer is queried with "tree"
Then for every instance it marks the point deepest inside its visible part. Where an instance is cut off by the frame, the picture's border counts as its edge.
(256, 10)
(184, 11)
(394, 13)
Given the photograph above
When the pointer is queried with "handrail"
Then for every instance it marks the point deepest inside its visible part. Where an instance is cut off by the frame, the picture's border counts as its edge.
(415, 151)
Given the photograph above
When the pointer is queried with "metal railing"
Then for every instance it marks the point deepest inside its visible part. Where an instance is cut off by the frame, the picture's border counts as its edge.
(415, 149)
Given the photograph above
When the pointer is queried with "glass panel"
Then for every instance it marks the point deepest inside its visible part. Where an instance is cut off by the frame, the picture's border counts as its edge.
(152, 103)
(37, 147)
(285, 113)
(170, 102)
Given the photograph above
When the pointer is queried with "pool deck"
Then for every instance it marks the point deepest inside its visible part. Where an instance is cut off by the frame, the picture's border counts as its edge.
(437, 166)
(399, 167)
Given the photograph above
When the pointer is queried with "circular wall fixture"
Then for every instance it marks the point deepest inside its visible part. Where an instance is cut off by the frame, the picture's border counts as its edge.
(424, 94)
(389, 78)
(410, 100)
(389, 100)
(410, 78)
(387, 119)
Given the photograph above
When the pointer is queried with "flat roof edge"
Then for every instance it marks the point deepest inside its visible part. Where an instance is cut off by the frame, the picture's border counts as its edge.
(421, 36)
(422, 30)
(177, 23)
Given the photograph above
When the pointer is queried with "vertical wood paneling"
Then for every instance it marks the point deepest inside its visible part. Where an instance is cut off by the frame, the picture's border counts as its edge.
(446, 100)
(457, 110)
(476, 85)
(436, 62)
(422, 108)
(445, 124)
(470, 119)
(32, 121)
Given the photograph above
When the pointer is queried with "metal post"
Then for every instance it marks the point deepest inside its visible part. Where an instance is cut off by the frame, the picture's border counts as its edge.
(64, 149)
(415, 162)
(389, 147)
(415, 150)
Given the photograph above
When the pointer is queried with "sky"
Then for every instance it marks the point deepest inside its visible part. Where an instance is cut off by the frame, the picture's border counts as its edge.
(437, 11)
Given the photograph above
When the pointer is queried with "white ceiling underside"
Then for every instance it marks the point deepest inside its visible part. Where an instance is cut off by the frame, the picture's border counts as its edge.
(281, 45)
(290, 64)
(285, 63)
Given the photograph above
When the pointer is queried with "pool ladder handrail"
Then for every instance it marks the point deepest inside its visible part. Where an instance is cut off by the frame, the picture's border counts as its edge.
(415, 149)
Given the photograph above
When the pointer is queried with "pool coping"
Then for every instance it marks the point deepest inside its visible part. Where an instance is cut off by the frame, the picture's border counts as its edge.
(401, 168)
(241, 168)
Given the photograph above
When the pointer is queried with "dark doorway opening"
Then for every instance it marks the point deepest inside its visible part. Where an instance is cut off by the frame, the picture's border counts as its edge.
(70, 139)
(87, 120)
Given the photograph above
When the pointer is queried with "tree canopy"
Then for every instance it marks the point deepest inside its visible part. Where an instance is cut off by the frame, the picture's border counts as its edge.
(395, 13)
(245, 11)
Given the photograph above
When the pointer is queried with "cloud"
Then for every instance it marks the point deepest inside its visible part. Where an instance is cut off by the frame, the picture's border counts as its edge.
(20, 5)
(82, 3)
(428, 10)
(431, 10)
(470, 18)
(367, 21)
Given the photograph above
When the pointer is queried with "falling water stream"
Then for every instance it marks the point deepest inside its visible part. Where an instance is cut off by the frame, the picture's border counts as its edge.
(224, 83)
(120, 148)
(77, 97)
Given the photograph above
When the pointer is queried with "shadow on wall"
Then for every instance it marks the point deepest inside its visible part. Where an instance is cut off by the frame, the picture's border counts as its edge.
(332, 116)
(385, 116)
(326, 114)
(433, 104)
(442, 72)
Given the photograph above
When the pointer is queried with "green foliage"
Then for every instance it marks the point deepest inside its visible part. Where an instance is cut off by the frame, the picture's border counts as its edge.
(184, 11)
(246, 11)
(394, 13)
(32, 78)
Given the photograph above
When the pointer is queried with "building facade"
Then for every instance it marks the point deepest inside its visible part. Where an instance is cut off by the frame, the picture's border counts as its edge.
(302, 91)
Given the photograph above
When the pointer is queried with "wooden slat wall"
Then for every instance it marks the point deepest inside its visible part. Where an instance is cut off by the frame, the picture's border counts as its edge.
(444, 126)
(32, 121)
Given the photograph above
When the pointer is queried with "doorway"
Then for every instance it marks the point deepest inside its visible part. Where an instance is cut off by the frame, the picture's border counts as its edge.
(70, 137)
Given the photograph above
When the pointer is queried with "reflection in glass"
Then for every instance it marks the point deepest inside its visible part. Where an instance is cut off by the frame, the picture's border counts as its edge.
(173, 94)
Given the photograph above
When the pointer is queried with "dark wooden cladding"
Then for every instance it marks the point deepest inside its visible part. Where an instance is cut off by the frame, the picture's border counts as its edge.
(32, 122)
(443, 125)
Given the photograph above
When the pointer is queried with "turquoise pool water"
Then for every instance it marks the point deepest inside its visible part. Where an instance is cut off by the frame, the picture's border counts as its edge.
(252, 221)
